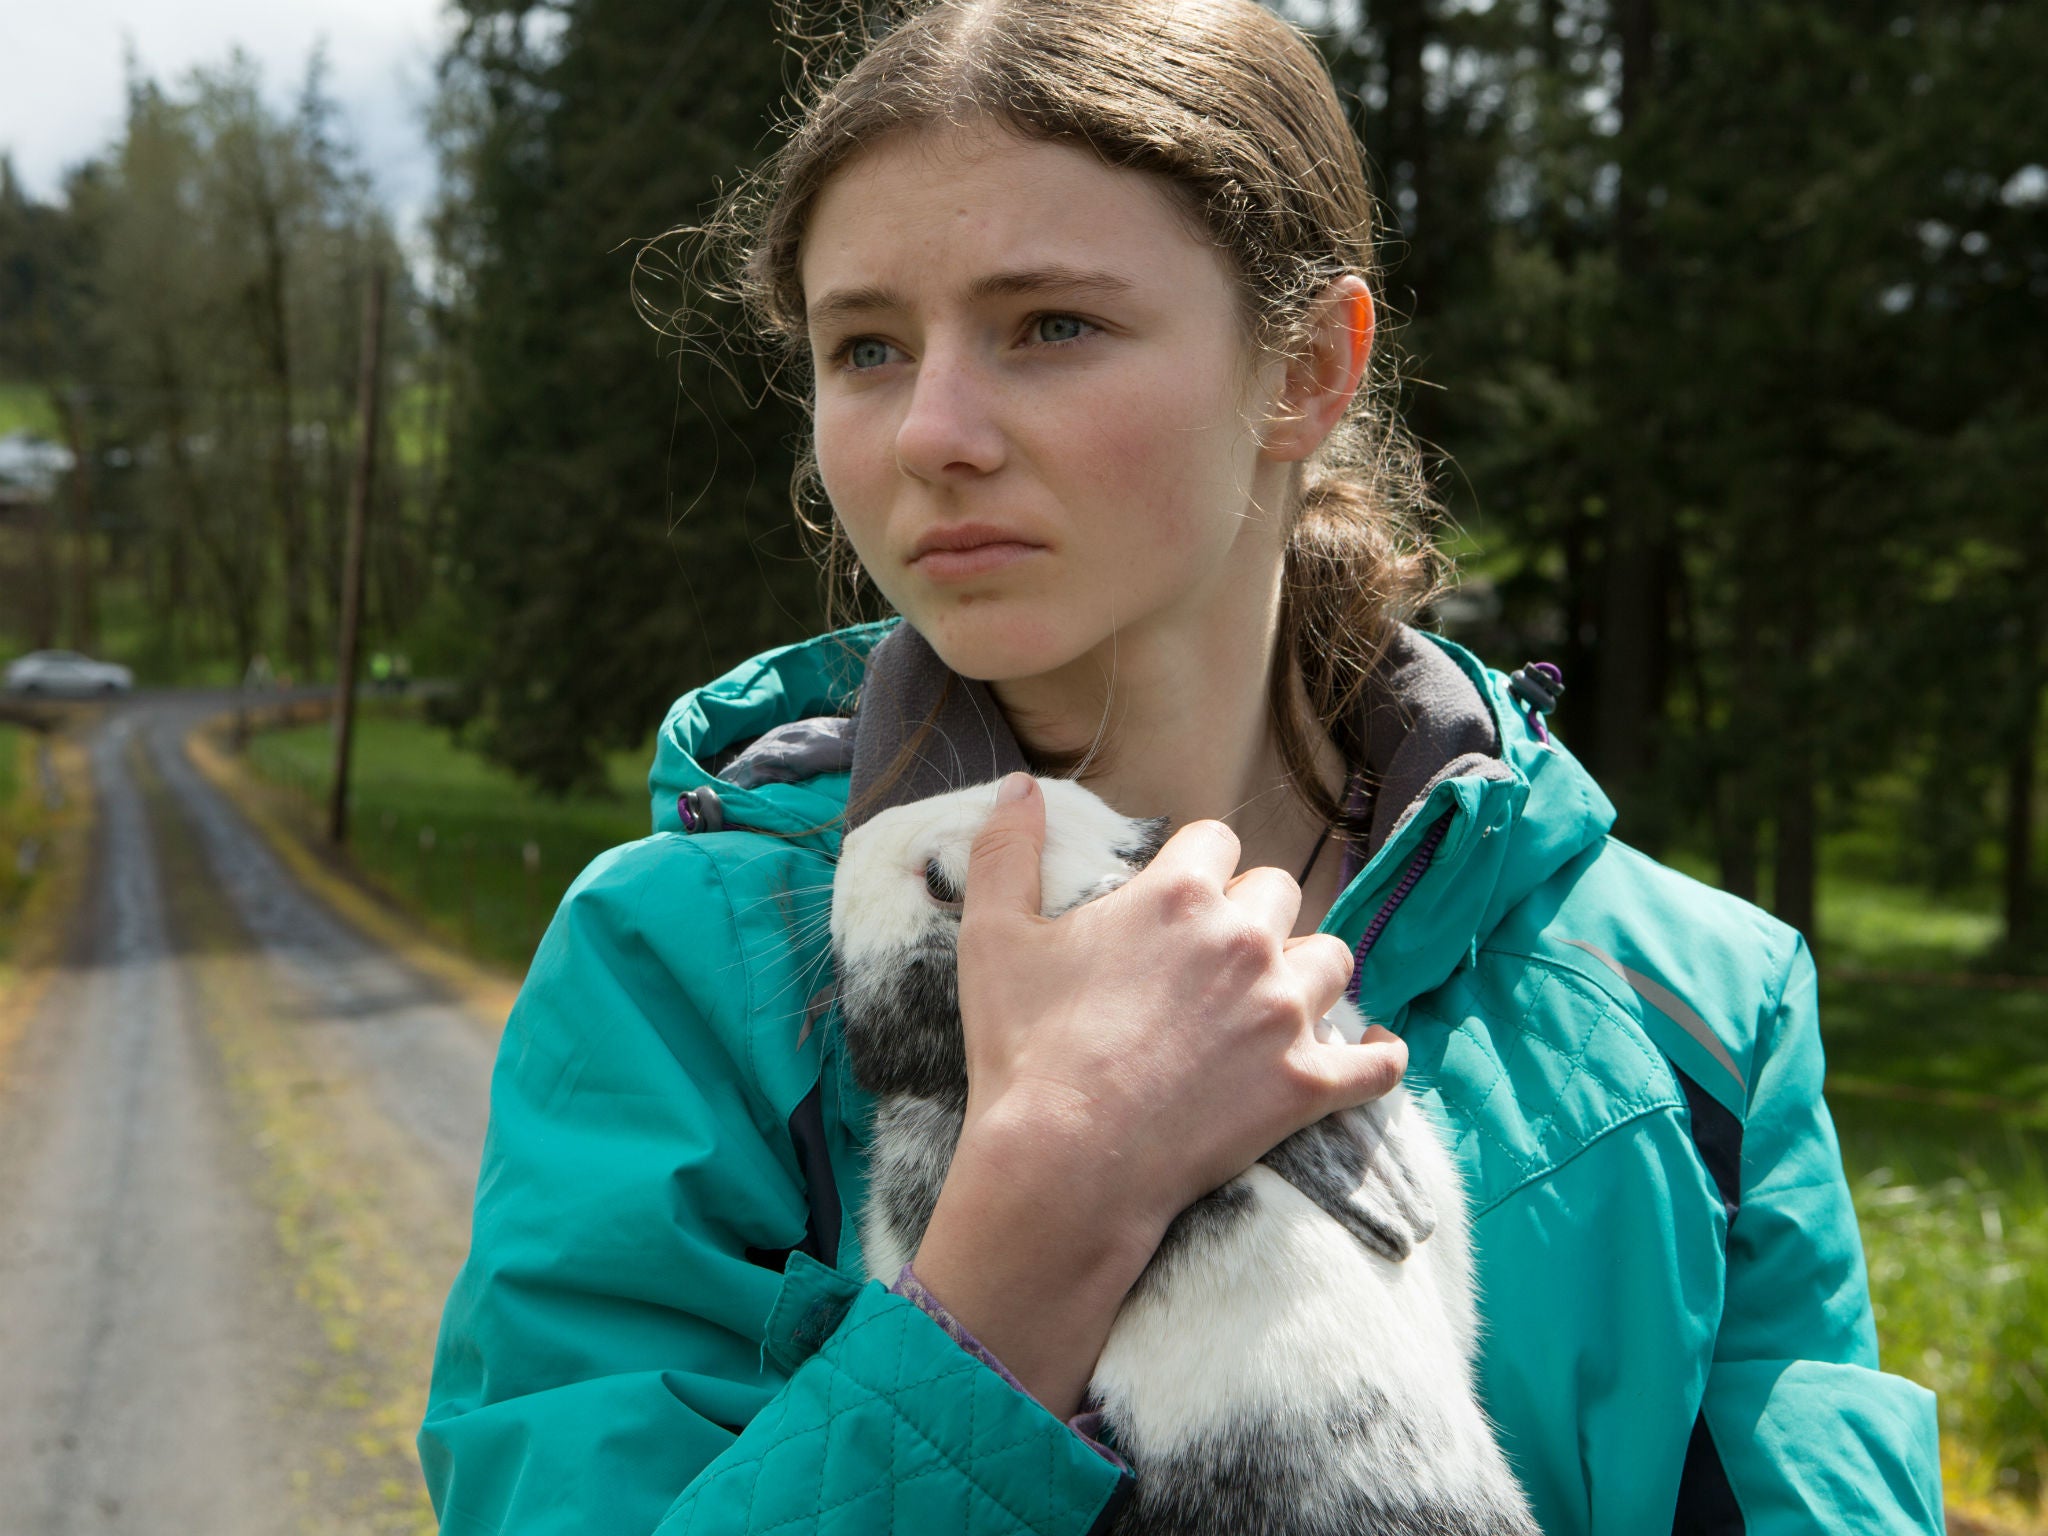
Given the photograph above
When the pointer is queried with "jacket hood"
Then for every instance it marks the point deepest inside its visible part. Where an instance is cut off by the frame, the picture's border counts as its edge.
(1484, 836)
(1478, 804)
(709, 730)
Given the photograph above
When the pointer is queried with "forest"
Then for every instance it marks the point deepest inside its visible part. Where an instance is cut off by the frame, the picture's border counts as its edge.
(1723, 325)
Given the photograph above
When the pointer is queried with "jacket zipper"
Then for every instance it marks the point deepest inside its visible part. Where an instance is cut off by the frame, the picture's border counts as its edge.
(1431, 841)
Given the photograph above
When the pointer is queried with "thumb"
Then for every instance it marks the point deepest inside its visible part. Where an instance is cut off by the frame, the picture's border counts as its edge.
(1002, 866)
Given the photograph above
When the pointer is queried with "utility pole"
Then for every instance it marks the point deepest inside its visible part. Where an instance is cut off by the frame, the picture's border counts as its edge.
(352, 562)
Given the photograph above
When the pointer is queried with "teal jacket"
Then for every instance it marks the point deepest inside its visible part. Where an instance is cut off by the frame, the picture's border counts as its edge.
(664, 1324)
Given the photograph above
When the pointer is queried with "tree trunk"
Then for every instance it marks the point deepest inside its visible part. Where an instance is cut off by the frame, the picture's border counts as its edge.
(1794, 880)
(1793, 876)
(233, 566)
(183, 524)
(1738, 817)
(83, 615)
(1631, 613)
(1405, 141)
(1633, 599)
(2022, 768)
(291, 513)
(2022, 771)
(361, 486)
(43, 626)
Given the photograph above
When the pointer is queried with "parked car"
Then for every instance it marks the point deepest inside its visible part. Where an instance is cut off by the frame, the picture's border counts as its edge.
(67, 675)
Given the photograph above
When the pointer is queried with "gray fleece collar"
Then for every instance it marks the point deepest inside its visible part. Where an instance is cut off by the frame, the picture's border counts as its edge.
(1425, 723)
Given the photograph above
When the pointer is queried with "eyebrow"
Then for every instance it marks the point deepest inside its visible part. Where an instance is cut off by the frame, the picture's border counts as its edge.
(843, 303)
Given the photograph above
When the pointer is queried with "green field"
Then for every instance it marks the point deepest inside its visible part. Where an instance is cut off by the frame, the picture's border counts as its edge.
(26, 407)
(1938, 1082)
(480, 856)
(1940, 1095)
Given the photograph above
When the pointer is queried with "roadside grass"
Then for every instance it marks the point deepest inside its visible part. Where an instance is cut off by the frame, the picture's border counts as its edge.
(480, 857)
(16, 745)
(44, 853)
(13, 748)
(26, 826)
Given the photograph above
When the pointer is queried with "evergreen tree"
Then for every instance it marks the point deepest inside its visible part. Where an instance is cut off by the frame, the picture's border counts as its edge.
(620, 507)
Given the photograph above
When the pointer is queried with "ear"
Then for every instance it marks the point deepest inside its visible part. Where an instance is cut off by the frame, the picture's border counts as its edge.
(1389, 1209)
(1355, 1167)
(1324, 376)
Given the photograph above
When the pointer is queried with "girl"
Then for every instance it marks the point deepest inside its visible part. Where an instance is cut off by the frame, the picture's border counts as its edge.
(1084, 292)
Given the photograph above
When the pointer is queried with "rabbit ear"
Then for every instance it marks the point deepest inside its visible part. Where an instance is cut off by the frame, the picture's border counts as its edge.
(1354, 1166)
(1394, 1209)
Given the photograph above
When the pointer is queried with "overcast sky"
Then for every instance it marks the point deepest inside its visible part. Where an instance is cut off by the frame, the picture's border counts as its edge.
(61, 74)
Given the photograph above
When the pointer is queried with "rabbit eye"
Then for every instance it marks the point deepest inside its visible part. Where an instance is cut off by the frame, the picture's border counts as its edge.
(941, 889)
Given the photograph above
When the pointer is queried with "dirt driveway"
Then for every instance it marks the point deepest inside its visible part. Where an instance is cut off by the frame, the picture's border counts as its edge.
(237, 1148)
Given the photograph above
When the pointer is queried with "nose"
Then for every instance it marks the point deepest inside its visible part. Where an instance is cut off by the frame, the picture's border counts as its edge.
(950, 429)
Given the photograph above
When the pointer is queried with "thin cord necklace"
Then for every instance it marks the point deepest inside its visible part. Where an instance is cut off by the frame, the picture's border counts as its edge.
(1314, 854)
(1317, 851)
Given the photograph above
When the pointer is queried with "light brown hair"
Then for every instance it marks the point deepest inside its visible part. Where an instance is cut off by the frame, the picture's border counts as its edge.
(1234, 110)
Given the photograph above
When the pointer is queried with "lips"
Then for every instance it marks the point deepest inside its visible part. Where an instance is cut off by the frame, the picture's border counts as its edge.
(969, 549)
(965, 536)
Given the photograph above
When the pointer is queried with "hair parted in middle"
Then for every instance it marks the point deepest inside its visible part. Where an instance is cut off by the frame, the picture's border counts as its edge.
(1235, 113)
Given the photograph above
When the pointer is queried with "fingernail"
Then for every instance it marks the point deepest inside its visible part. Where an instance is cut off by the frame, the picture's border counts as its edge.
(1016, 786)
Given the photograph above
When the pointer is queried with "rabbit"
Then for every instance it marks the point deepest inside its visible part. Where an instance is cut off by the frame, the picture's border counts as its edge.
(1296, 1358)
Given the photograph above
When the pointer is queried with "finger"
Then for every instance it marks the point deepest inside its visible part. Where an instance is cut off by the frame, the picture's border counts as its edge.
(1204, 850)
(1321, 963)
(1002, 866)
(1268, 896)
(1358, 1074)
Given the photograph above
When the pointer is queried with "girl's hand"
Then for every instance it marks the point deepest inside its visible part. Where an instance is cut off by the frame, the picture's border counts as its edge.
(1122, 1061)
(1165, 1033)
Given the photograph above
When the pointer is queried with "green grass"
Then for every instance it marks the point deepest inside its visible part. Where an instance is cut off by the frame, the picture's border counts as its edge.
(1954, 1210)
(1940, 1095)
(24, 830)
(13, 748)
(26, 407)
(449, 834)
(416, 421)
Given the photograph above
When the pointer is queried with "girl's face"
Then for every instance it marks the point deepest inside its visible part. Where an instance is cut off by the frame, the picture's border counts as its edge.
(1037, 410)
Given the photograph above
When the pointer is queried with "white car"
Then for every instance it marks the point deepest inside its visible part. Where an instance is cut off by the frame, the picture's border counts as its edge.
(68, 675)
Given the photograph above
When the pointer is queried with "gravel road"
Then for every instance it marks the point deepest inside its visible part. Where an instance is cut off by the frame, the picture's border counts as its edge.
(237, 1148)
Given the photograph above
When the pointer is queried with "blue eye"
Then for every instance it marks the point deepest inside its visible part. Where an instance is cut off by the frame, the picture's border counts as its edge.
(867, 353)
(1058, 328)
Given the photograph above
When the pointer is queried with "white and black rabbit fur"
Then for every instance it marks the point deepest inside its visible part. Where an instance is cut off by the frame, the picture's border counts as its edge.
(1297, 1357)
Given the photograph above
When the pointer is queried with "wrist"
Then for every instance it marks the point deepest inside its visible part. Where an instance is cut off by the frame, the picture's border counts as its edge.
(1033, 1256)
(1063, 1201)
(1087, 1423)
